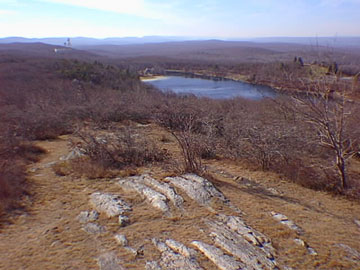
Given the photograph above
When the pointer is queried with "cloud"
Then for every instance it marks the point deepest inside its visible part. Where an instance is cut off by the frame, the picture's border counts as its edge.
(139, 8)
(126, 7)
(335, 3)
(8, 2)
(175, 12)
(7, 12)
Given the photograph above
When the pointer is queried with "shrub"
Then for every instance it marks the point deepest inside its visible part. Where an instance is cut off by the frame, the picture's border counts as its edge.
(122, 148)
(266, 133)
(14, 155)
(12, 180)
(191, 151)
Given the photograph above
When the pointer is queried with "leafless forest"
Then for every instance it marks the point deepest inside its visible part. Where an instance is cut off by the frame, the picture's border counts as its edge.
(310, 134)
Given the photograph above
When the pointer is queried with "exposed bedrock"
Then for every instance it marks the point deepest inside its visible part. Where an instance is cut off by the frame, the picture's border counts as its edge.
(254, 254)
(218, 257)
(156, 199)
(164, 188)
(109, 261)
(197, 188)
(287, 222)
(174, 256)
(109, 204)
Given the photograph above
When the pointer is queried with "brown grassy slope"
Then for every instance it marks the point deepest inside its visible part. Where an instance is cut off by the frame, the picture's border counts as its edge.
(47, 236)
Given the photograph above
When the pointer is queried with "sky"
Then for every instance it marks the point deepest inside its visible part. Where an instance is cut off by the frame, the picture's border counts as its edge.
(186, 18)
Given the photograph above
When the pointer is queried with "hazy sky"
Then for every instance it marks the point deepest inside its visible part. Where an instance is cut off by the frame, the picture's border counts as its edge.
(205, 18)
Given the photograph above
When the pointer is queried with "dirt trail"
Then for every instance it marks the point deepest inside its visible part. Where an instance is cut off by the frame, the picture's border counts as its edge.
(48, 235)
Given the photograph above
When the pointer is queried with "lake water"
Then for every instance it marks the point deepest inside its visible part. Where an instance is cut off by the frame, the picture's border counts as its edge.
(210, 88)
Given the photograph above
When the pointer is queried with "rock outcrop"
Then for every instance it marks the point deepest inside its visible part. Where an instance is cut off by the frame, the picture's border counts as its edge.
(156, 199)
(252, 248)
(218, 257)
(174, 256)
(121, 240)
(305, 245)
(286, 221)
(292, 226)
(93, 228)
(109, 261)
(165, 189)
(86, 216)
(231, 244)
(109, 204)
(197, 188)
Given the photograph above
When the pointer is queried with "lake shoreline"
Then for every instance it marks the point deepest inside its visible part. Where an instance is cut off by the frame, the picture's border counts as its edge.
(277, 88)
(239, 78)
(207, 86)
(151, 78)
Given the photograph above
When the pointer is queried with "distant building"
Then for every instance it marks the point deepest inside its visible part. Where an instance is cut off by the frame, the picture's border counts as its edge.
(148, 71)
(67, 45)
(61, 50)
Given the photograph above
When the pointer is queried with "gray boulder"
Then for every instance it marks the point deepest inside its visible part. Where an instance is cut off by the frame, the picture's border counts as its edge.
(109, 261)
(93, 228)
(86, 216)
(109, 204)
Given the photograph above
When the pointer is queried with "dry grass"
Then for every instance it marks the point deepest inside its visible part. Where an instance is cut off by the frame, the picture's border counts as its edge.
(13, 159)
(57, 239)
(326, 219)
(12, 179)
(50, 236)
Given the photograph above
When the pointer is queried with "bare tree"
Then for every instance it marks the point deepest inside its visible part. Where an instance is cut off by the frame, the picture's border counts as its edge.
(189, 144)
(331, 114)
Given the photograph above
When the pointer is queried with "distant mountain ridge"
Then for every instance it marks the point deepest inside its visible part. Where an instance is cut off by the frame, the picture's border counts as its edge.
(86, 41)
(38, 49)
(334, 42)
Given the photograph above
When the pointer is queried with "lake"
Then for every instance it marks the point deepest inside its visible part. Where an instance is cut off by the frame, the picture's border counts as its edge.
(210, 88)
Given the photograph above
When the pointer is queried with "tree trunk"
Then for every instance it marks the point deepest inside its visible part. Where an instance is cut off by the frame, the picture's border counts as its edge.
(340, 163)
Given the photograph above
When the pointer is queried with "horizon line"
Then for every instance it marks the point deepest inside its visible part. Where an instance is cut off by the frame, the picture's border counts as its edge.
(191, 37)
